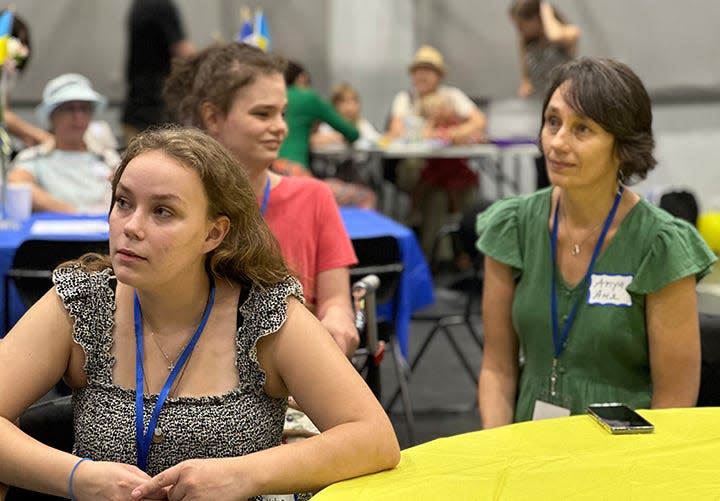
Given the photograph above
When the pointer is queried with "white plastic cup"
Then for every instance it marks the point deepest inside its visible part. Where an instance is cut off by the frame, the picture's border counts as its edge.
(18, 205)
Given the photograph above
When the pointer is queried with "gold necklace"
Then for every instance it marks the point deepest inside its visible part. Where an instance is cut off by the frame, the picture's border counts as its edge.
(575, 249)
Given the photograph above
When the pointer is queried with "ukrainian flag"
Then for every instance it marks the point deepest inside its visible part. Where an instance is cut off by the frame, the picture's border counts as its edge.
(6, 22)
(262, 32)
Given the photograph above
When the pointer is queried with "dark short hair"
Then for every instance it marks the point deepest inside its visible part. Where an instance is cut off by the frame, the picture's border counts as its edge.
(293, 70)
(611, 94)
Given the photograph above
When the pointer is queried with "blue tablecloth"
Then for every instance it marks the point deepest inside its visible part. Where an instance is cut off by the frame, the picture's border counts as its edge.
(415, 290)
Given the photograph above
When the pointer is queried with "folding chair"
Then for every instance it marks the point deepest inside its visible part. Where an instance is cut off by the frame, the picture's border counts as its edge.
(380, 256)
(709, 394)
(459, 306)
(369, 354)
(34, 262)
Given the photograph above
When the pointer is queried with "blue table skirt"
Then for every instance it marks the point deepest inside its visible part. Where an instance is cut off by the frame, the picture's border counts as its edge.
(415, 290)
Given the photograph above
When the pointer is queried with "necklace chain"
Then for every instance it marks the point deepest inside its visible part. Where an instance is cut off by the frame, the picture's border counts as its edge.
(171, 362)
(173, 390)
(575, 249)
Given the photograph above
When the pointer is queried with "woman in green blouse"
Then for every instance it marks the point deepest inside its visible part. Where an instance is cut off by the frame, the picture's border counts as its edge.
(593, 285)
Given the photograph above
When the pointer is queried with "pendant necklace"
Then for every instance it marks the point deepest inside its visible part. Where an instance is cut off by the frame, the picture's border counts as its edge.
(158, 434)
(575, 250)
(171, 362)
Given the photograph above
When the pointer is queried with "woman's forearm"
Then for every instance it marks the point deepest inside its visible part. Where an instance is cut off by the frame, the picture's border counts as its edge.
(496, 398)
(30, 464)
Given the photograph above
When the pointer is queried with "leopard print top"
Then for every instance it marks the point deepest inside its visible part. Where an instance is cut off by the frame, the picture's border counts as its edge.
(239, 422)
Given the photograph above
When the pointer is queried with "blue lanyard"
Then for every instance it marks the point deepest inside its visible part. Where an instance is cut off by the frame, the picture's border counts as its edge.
(559, 339)
(143, 439)
(266, 198)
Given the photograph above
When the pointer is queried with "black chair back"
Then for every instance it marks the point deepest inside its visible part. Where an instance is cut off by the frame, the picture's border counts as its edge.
(709, 395)
(379, 256)
(34, 262)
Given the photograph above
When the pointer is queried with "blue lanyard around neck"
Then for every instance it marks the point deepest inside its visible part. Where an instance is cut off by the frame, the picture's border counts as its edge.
(559, 339)
(266, 198)
(143, 439)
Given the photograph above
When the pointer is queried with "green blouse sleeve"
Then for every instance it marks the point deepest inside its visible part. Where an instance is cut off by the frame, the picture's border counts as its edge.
(498, 233)
(678, 251)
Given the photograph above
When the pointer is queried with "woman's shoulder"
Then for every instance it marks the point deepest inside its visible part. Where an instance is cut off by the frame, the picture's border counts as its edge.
(533, 204)
(292, 187)
(672, 247)
(266, 308)
(79, 279)
(34, 153)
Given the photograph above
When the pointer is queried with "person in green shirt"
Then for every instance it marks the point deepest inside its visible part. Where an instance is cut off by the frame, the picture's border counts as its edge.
(593, 285)
(306, 109)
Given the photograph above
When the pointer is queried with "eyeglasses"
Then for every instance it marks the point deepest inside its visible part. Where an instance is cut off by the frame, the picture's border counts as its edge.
(75, 106)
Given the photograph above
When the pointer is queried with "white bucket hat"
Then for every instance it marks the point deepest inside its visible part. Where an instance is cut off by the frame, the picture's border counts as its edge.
(68, 87)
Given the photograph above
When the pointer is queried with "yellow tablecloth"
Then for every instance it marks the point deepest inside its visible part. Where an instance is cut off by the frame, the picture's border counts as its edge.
(558, 459)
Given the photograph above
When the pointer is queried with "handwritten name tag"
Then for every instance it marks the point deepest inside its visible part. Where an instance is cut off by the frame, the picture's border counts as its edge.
(609, 290)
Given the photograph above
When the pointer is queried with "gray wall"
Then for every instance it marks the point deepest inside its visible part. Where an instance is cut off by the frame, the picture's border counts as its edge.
(674, 46)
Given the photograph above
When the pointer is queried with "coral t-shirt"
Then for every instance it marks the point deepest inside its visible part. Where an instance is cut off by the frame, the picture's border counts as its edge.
(305, 219)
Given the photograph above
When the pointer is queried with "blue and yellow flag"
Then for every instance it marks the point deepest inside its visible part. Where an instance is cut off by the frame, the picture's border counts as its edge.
(246, 25)
(254, 31)
(6, 22)
(262, 32)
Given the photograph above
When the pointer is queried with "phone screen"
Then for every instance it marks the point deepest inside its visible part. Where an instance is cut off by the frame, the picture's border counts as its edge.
(620, 418)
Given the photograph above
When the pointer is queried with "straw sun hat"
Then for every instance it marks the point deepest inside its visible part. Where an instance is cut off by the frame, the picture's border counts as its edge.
(428, 57)
(68, 87)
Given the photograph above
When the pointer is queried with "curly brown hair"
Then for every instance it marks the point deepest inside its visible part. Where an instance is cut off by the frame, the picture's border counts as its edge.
(611, 94)
(214, 75)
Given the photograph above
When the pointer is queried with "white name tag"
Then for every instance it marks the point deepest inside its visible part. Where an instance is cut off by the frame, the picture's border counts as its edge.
(609, 290)
(546, 410)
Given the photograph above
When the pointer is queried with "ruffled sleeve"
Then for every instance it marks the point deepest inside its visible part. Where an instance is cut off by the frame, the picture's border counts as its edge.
(498, 232)
(264, 312)
(89, 300)
(678, 251)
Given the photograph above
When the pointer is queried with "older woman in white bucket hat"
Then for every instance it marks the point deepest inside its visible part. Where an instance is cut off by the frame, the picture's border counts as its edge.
(68, 173)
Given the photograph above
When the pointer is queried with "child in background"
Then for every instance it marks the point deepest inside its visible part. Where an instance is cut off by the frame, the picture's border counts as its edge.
(346, 100)
(449, 174)
(356, 167)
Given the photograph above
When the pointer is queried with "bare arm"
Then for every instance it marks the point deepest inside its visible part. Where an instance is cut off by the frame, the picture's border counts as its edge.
(499, 371)
(674, 344)
(396, 128)
(473, 129)
(40, 347)
(41, 199)
(526, 87)
(357, 437)
(334, 308)
(556, 32)
(28, 133)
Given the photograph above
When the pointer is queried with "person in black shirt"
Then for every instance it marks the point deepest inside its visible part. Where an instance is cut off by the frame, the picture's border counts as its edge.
(156, 37)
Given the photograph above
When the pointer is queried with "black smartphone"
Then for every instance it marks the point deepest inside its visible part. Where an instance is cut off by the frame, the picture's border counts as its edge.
(619, 418)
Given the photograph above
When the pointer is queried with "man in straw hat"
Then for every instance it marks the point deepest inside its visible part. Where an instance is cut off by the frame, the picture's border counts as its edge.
(427, 72)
